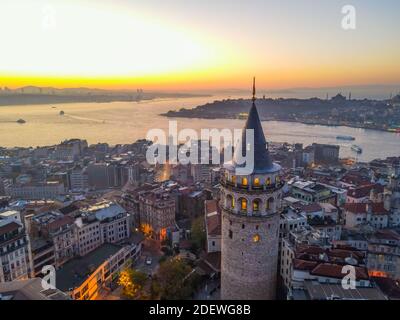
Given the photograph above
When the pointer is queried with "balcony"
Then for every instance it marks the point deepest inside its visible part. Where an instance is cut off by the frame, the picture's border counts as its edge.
(252, 189)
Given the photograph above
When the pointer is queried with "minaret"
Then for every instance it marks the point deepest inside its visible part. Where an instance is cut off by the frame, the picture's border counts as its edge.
(250, 221)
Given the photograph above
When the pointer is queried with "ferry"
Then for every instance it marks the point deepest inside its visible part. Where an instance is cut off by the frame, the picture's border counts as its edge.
(243, 116)
(21, 121)
(356, 148)
(348, 138)
(394, 129)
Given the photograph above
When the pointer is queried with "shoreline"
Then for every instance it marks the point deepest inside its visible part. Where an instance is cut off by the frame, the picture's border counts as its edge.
(281, 120)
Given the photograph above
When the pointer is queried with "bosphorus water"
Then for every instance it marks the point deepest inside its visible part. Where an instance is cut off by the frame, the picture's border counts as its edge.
(125, 122)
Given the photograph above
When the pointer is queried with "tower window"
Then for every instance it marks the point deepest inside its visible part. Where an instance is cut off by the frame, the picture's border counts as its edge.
(243, 226)
(230, 234)
(256, 238)
(230, 201)
(268, 182)
(256, 182)
(256, 205)
(243, 203)
(270, 201)
(245, 182)
(234, 179)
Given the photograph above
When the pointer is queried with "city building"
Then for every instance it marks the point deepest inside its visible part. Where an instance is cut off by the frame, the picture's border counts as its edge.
(84, 278)
(14, 251)
(213, 226)
(310, 192)
(326, 153)
(384, 254)
(374, 214)
(30, 289)
(46, 190)
(156, 213)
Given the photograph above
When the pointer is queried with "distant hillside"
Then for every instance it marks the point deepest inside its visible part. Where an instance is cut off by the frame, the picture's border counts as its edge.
(48, 95)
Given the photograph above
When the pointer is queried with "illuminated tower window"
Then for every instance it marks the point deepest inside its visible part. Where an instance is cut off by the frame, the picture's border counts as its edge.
(234, 179)
(256, 205)
(256, 182)
(243, 203)
(256, 238)
(277, 180)
(268, 182)
(245, 182)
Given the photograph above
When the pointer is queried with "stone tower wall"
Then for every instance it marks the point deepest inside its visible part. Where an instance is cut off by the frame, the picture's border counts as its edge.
(249, 268)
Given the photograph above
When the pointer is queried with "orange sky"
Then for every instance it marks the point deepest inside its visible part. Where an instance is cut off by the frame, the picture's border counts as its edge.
(191, 45)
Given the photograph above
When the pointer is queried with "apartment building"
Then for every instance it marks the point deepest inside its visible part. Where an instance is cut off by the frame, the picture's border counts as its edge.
(14, 251)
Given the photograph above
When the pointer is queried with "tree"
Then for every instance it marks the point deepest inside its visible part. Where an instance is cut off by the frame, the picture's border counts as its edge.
(173, 280)
(198, 234)
(132, 282)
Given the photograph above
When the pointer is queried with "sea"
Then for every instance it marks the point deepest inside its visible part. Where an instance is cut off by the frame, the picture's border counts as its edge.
(126, 122)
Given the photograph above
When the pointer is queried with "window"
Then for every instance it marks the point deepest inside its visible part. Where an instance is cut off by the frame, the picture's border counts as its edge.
(234, 179)
(256, 205)
(230, 234)
(243, 203)
(268, 182)
(256, 238)
(270, 201)
(245, 182)
(256, 182)
(230, 201)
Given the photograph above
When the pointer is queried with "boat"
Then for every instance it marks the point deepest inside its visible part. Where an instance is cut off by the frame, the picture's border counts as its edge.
(62, 113)
(356, 148)
(21, 121)
(348, 138)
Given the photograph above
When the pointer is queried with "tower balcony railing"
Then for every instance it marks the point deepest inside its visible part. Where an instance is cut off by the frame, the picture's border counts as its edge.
(251, 189)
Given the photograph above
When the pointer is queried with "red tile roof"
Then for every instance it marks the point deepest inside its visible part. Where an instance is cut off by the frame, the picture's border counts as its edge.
(364, 191)
(213, 218)
(310, 208)
(9, 227)
(335, 271)
(304, 264)
(211, 206)
(214, 260)
(57, 224)
(360, 208)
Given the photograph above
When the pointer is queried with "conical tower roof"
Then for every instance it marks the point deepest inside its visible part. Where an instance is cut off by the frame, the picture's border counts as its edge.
(262, 158)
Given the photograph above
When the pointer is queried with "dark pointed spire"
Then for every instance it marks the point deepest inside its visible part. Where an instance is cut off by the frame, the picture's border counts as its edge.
(262, 159)
(254, 89)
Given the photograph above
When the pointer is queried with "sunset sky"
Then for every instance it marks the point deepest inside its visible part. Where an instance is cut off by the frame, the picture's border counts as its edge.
(192, 44)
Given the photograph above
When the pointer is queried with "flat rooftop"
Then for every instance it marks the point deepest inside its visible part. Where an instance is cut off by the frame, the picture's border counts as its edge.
(76, 271)
(319, 291)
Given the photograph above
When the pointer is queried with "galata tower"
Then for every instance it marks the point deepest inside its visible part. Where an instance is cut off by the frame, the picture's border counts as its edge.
(250, 221)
